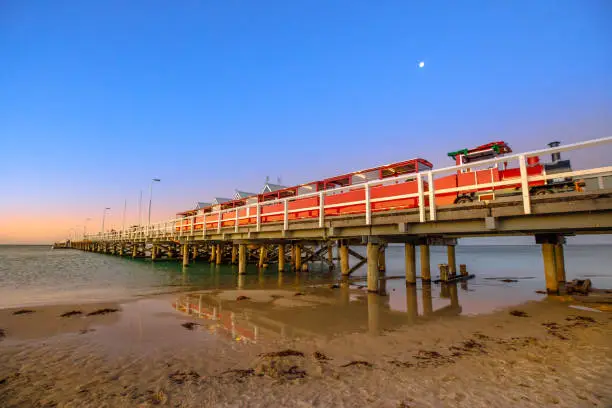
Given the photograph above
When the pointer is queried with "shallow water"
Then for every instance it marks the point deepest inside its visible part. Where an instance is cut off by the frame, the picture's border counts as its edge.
(34, 275)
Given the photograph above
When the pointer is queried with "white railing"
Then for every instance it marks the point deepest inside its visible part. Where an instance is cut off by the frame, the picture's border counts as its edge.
(188, 226)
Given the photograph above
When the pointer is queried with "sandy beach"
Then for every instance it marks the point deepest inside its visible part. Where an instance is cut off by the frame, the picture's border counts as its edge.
(267, 348)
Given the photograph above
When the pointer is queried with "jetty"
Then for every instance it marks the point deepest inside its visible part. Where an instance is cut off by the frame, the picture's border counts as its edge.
(489, 192)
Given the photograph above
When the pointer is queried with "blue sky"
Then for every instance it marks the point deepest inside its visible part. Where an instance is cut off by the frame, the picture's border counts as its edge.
(98, 97)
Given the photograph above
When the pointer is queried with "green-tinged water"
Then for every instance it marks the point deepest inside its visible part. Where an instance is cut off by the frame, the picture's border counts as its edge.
(34, 275)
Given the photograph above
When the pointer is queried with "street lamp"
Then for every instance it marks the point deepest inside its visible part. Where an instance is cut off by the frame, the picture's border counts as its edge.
(85, 227)
(151, 197)
(104, 217)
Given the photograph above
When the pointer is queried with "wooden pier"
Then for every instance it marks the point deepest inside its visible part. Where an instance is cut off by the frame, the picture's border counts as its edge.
(244, 235)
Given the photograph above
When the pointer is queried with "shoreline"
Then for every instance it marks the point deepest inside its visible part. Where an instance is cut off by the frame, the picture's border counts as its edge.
(144, 355)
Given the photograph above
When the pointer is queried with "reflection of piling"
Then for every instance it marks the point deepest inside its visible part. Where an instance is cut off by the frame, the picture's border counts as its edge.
(373, 313)
(427, 300)
(425, 267)
(412, 303)
(345, 292)
(241, 280)
(453, 294)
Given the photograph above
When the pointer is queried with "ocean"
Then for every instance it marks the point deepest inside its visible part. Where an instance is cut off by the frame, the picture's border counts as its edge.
(39, 275)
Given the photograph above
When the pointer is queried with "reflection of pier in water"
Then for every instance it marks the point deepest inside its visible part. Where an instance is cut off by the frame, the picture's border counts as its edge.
(320, 312)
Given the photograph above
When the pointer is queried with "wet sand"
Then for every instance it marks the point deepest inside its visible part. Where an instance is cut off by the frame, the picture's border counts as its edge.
(320, 347)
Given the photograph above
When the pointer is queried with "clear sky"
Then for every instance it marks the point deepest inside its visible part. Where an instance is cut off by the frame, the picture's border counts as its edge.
(98, 97)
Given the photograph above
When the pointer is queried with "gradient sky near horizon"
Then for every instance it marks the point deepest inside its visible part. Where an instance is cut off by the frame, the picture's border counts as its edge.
(98, 97)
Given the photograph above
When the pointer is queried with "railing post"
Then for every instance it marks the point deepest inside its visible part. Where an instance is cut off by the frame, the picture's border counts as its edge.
(219, 216)
(421, 197)
(321, 209)
(368, 205)
(286, 214)
(432, 197)
(258, 216)
(525, 185)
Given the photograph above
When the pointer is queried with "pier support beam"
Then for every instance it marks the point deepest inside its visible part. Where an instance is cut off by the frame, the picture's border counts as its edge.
(219, 254)
(452, 261)
(410, 255)
(330, 253)
(344, 258)
(154, 250)
(382, 264)
(242, 259)
(298, 257)
(134, 250)
(373, 252)
(425, 267)
(194, 255)
(185, 254)
(560, 263)
(234, 253)
(212, 253)
(263, 253)
(550, 268)
(281, 257)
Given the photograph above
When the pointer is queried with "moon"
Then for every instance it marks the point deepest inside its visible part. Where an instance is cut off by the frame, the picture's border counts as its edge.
(421, 64)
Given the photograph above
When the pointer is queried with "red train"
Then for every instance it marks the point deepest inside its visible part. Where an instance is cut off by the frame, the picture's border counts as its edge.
(347, 197)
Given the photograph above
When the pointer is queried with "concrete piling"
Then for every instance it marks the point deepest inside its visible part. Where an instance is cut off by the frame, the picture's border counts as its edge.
(298, 257)
(134, 250)
(425, 267)
(263, 252)
(154, 252)
(410, 259)
(330, 252)
(194, 254)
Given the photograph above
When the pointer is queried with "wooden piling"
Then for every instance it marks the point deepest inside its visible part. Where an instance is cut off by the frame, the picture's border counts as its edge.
(194, 254)
(242, 258)
(298, 257)
(560, 263)
(281, 257)
(410, 259)
(330, 252)
(452, 261)
(219, 254)
(212, 253)
(550, 268)
(373, 251)
(344, 258)
(262, 256)
(134, 250)
(425, 267)
(382, 264)
(234, 253)
(185, 254)
(154, 252)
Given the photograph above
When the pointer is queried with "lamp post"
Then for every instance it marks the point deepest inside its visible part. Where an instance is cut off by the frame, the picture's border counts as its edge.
(104, 217)
(85, 227)
(151, 198)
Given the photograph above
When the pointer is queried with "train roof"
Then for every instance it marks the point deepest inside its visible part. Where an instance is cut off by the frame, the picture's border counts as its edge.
(499, 147)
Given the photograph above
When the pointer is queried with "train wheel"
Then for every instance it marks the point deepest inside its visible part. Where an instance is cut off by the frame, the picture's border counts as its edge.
(542, 191)
(464, 199)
